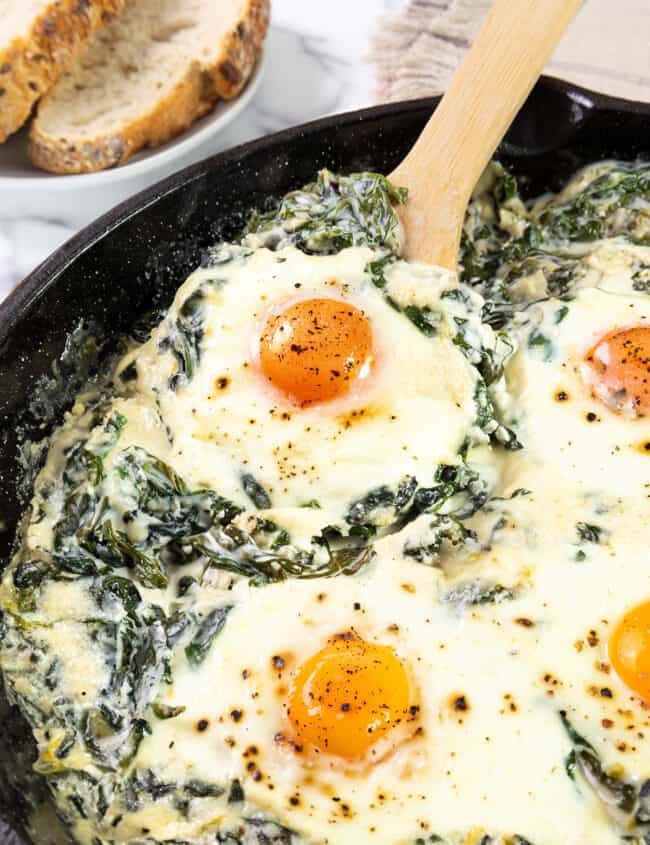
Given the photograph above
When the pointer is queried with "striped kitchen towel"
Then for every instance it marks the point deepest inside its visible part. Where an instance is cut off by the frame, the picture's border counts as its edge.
(607, 47)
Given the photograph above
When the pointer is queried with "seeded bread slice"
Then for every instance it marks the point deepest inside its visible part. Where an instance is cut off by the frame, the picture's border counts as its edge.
(145, 78)
(38, 40)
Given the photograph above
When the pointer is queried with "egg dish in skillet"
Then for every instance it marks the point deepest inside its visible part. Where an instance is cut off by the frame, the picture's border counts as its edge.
(353, 550)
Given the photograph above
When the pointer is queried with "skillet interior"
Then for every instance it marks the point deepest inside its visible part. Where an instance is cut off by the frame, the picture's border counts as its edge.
(135, 256)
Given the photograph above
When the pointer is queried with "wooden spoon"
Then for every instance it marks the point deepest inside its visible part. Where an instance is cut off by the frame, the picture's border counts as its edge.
(485, 94)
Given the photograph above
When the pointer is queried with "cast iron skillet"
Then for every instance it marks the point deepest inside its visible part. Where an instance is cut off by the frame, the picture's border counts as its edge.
(136, 255)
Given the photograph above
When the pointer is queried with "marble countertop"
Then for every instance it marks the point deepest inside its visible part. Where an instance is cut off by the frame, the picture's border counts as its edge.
(309, 54)
(317, 64)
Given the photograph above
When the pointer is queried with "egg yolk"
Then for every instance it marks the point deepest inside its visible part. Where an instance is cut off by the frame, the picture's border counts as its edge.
(347, 696)
(621, 365)
(629, 650)
(314, 349)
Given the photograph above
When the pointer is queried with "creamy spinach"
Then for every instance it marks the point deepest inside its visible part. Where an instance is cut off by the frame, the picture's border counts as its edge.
(124, 560)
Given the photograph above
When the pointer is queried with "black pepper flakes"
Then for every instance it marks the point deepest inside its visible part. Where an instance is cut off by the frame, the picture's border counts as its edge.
(524, 622)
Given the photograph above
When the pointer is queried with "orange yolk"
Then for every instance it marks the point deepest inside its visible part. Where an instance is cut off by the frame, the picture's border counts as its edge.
(314, 349)
(621, 364)
(629, 650)
(347, 696)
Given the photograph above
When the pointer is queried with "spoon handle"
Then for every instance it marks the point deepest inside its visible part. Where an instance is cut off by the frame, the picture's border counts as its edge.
(486, 92)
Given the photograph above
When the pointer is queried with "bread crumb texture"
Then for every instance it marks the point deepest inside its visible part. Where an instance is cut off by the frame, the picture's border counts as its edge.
(39, 40)
(146, 78)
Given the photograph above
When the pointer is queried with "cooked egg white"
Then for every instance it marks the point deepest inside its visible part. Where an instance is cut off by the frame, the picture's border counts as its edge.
(560, 419)
(409, 413)
(478, 677)
(571, 590)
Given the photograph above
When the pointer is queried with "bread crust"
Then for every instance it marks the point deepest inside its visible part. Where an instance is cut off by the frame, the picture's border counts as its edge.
(169, 116)
(193, 97)
(241, 50)
(30, 64)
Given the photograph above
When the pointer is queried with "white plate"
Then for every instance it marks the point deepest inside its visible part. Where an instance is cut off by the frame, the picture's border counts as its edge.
(27, 191)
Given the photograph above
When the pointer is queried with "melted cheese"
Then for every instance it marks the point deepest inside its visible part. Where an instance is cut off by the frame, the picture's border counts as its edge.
(487, 751)
(436, 781)
(420, 393)
(562, 424)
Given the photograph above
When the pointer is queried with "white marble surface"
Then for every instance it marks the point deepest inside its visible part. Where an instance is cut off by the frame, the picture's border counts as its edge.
(315, 66)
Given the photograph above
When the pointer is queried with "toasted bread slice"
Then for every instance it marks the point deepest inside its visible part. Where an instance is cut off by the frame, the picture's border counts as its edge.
(145, 78)
(38, 40)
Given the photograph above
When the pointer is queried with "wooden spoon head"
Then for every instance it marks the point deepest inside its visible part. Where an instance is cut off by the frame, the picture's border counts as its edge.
(432, 224)
(486, 92)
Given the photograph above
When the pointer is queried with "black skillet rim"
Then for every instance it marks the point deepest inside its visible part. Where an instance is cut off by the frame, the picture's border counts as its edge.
(20, 299)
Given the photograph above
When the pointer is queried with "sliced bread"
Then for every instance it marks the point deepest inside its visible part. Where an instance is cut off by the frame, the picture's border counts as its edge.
(145, 78)
(38, 40)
